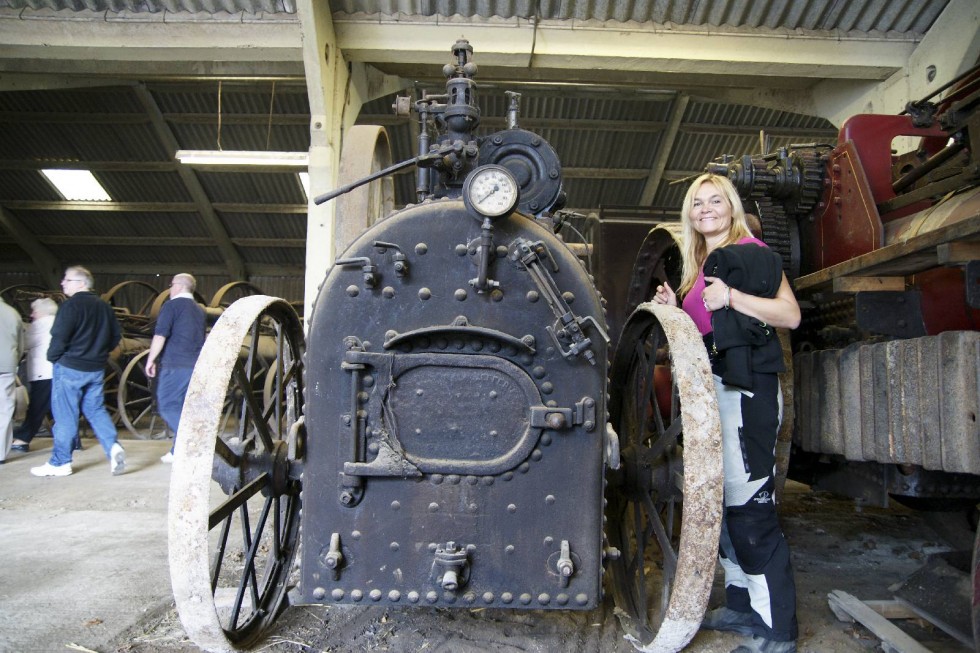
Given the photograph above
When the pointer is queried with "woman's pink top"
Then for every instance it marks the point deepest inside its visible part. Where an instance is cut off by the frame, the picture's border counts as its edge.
(693, 305)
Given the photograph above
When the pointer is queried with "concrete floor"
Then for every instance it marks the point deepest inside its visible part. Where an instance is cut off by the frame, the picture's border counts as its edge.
(85, 564)
(85, 556)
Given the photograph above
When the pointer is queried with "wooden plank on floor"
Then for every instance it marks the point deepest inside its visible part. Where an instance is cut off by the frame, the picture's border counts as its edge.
(891, 636)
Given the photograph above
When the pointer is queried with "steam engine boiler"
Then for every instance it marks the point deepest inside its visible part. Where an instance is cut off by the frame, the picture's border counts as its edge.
(445, 434)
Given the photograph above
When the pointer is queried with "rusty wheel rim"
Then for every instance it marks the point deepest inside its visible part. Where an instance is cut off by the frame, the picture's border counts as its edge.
(235, 490)
(664, 507)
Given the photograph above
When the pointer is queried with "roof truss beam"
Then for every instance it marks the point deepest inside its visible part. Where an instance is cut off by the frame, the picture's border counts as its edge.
(206, 45)
(630, 47)
(233, 260)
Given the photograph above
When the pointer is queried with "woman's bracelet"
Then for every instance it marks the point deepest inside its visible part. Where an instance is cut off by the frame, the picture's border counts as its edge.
(728, 297)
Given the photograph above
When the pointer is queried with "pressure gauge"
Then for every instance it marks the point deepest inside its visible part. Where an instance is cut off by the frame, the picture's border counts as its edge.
(491, 191)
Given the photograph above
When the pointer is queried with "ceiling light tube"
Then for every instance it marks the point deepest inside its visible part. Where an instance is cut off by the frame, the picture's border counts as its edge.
(243, 158)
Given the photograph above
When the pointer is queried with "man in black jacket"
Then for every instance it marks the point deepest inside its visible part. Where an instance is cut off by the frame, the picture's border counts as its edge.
(85, 330)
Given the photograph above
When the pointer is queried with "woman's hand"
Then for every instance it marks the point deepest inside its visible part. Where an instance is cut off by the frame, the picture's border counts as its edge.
(665, 295)
(716, 294)
(781, 311)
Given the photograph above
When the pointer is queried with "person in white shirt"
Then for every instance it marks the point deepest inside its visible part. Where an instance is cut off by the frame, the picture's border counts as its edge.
(39, 371)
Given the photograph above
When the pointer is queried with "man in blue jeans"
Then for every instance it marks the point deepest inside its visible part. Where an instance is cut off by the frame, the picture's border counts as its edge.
(179, 335)
(85, 330)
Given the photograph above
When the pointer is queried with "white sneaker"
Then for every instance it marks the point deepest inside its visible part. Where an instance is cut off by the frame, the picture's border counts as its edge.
(167, 457)
(117, 459)
(47, 469)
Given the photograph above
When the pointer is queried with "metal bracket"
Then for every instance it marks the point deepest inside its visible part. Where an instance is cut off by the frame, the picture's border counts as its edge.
(333, 558)
(890, 313)
(450, 568)
(485, 254)
(565, 566)
(569, 327)
(399, 258)
(368, 268)
(548, 417)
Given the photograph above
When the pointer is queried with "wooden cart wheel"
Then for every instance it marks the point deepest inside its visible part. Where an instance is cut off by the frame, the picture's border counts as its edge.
(21, 295)
(135, 297)
(135, 400)
(235, 491)
(110, 388)
(664, 506)
(230, 292)
(366, 150)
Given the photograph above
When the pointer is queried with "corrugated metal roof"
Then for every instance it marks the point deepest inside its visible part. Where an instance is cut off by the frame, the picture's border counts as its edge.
(155, 6)
(914, 16)
(907, 16)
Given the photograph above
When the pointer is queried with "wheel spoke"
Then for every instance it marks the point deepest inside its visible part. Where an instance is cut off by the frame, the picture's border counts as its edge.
(225, 452)
(236, 501)
(248, 578)
(219, 555)
(251, 406)
(663, 537)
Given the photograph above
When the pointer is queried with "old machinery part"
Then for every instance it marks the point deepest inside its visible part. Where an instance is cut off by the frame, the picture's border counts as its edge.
(781, 189)
(665, 504)
(235, 493)
(778, 231)
(568, 332)
(533, 163)
(909, 401)
(438, 414)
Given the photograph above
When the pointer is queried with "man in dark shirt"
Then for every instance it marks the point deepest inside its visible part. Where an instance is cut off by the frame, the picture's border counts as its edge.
(85, 330)
(179, 334)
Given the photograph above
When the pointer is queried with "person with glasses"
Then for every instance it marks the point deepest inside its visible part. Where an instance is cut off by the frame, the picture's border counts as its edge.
(85, 330)
(177, 341)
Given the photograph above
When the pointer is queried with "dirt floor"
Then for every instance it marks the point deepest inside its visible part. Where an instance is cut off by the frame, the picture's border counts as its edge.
(836, 545)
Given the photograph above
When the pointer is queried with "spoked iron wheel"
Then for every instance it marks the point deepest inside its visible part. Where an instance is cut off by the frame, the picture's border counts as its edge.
(135, 401)
(235, 489)
(665, 504)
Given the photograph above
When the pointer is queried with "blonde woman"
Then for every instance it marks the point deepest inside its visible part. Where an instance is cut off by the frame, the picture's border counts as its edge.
(39, 371)
(736, 306)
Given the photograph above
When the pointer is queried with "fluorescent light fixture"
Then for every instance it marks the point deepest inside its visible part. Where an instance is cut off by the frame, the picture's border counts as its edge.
(243, 158)
(77, 185)
(304, 181)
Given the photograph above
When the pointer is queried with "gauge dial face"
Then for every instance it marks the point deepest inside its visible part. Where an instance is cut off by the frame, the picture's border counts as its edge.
(491, 190)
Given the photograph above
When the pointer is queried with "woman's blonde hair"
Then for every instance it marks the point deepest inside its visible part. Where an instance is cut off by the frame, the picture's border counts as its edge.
(44, 306)
(694, 249)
